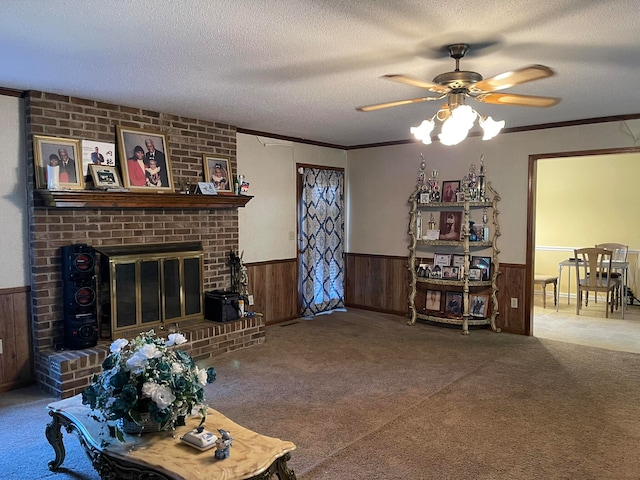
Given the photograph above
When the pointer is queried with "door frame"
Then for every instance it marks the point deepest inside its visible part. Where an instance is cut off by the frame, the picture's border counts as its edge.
(531, 202)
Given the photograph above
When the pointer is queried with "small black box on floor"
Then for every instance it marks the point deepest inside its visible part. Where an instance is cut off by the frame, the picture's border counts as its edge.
(220, 306)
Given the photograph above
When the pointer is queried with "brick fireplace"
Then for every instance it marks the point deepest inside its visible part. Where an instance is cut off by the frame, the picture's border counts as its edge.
(66, 373)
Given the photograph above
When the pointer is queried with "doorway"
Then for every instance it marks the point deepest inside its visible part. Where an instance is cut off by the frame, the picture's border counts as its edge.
(321, 215)
(579, 199)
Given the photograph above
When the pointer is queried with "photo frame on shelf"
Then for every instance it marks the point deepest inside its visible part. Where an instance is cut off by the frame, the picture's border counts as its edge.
(206, 188)
(450, 225)
(451, 273)
(423, 197)
(57, 163)
(442, 259)
(104, 176)
(457, 260)
(144, 160)
(434, 301)
(475, 274)
(449, 190)
(478, 305)
(453, 304)
(97, 153)
(460, 196)
(217, 170)
(484, 264)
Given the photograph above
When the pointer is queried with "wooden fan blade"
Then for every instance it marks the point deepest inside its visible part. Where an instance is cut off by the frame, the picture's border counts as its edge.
(379, 106)
(519, 100)
(414, 82)
(514, 77)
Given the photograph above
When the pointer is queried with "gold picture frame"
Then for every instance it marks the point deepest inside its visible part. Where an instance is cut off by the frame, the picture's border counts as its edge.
(217, 170)
(104, 176)
(144, 160)
(51, 151)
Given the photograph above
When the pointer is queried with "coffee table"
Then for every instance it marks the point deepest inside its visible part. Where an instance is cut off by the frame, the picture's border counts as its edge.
(162, 455)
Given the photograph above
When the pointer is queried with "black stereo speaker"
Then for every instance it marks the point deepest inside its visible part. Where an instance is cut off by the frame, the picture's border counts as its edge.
(79, 296)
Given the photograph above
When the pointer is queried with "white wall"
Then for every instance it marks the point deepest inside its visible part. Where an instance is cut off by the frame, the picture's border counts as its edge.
(268, 223)
(14, 256)
(381, 180)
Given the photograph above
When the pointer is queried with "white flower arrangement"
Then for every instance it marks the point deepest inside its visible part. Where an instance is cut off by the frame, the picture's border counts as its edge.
(147, 376)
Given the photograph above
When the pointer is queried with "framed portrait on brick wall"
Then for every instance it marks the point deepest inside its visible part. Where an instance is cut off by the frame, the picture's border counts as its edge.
(58, 163)
(144, 160)
(217, 170)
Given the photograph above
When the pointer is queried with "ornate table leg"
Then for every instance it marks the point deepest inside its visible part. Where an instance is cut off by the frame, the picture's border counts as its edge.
(278, 468)
(54, 435)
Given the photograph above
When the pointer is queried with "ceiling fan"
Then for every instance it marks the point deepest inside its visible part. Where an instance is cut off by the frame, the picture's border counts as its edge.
(458, 85)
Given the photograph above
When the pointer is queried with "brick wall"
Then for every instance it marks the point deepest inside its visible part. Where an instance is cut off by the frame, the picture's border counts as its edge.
(51, 228)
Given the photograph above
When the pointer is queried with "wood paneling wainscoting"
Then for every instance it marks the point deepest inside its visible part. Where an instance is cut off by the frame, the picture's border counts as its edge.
(512, 284)
(377, 282)
(16, 363)
(381, 283)
(274, 286)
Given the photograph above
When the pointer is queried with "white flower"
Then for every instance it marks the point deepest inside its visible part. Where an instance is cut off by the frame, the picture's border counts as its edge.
(202, 376)
(118, 345)
(175, 339)
(163, 396)
(149, 350)
(137, 362)
(177, 368)
(148, 388)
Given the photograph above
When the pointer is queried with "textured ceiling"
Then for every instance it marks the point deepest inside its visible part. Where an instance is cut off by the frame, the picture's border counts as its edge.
(299, 68)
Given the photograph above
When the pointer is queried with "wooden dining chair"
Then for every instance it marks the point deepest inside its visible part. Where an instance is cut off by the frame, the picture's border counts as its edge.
(619, 255)
(593, 274)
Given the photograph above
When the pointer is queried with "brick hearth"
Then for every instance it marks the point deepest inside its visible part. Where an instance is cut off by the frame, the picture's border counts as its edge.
(70, 371)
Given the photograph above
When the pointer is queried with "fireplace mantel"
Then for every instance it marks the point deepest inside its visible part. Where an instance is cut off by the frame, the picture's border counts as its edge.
(100, 199)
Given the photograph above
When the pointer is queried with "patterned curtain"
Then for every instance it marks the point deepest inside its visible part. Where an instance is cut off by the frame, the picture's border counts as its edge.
(322, 262)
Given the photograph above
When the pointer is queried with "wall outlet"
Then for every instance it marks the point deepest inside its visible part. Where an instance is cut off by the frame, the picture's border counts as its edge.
(1, 351)
(514, 303)
(250, 299)
(292, 235)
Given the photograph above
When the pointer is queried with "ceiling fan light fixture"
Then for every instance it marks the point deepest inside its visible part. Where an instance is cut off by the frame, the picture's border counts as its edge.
(423, 131)
(490, 127)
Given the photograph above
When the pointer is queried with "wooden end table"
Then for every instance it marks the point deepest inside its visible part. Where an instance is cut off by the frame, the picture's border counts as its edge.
(162, 455)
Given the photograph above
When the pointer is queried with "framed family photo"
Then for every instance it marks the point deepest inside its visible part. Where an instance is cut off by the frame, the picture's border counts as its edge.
(57, 162)
(104, 176)
(144, 160)
(478, 305)
(217, 170)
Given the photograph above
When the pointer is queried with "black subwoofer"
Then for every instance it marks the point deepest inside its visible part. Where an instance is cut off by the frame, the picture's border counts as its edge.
(79, 296)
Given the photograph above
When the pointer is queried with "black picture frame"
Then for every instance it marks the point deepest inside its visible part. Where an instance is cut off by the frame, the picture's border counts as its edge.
(483, 263)
(453, 304)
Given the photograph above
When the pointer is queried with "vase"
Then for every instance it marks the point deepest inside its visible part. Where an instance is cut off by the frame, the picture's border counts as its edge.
(145, 425)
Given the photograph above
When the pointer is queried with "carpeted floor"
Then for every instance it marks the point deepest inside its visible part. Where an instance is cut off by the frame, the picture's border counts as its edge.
(363, 395)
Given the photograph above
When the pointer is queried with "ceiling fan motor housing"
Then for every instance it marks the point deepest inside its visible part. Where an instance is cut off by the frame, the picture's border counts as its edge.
(458, 79)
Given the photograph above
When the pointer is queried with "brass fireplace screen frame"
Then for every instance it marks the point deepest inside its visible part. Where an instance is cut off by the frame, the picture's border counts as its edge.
(149, 286)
